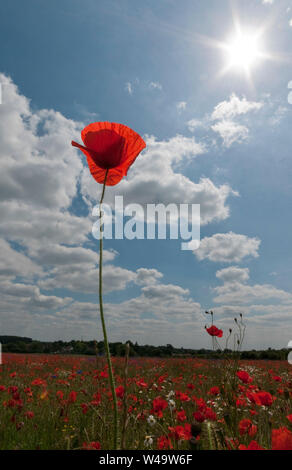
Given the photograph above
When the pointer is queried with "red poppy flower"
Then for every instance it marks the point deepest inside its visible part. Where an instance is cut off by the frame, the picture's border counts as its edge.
(281, 439)
(253, 445)
(110, 147)
(120, 392)
(246, 427)
(214, 331)
(244, 376)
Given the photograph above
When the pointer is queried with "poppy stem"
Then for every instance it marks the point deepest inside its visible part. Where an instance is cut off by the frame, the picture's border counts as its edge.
(108, 355)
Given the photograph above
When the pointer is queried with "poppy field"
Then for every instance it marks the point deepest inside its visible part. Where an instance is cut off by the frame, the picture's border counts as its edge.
(65, 402)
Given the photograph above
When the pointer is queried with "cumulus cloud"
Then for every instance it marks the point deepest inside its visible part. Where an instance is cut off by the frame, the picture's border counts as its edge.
(193, 124)
(155, 178)
(230, 132)
(233, 274)
(234, 107)
(235, 289)
(227, 248)
(147, 276)
(238, 293)
(226, 118)
(14, 263)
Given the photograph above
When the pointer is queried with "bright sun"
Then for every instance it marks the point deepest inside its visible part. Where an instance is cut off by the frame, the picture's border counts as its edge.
(243, 51)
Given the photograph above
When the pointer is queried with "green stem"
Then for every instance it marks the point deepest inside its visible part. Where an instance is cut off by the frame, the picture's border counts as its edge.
(110, 370)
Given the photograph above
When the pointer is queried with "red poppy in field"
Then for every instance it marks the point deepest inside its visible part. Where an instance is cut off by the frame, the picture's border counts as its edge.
(266, 399)
(246, 427)
(158, 405)
(281, 439)
(91, 446)
(120, 392)
(110, 147)
(253, 445)
(214, 391)
(214, 331)
(181, 416)
(72, 397)
(164, 442)
(244, 376)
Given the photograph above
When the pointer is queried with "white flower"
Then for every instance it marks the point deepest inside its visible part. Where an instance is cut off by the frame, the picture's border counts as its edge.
(151, 420)
(148, 441)
(171, 404)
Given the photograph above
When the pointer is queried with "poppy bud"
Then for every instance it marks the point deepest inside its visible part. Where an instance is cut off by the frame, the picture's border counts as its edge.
(193, 444)
(235, 319)
(196, 429)
(227, 418)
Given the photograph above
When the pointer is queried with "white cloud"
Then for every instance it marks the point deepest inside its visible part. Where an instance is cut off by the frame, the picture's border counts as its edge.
(226, 118)
(14, 263)
(227, 248)
(268, 2)
(155, 86)
(235, 289)
(234, 107)
(147, 276)
(129, 88)
(181, 106)
(230, 132)
(290, 22)
(193, 124)
(233, 274)
(238, 293)
(155, 178)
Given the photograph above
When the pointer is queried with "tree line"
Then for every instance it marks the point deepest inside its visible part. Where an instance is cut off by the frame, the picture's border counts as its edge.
(16, 344)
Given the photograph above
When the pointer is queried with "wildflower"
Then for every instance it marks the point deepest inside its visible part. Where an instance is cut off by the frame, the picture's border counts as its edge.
(199, 417)
(281, 439)
(214, 391)
(91, 446)
(120, 392)
(84, 408)
(164, 443)
(246, 427)
(214, 331)
(110, 147)
(265, 398)
(244, 376)
(181, 416)
(151, 420)
(253, 445)
(148, 441)
(171, 404)
(159, 404)
(72, 397)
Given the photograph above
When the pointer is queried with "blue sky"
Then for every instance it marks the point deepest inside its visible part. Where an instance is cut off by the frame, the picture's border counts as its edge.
(218, 139)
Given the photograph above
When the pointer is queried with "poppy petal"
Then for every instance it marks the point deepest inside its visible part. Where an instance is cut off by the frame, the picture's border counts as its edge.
(110, 146)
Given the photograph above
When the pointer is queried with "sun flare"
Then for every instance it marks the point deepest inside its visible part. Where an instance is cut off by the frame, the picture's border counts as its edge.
(243, 51)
